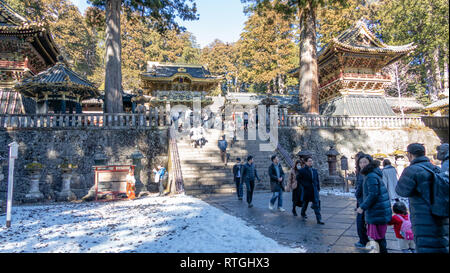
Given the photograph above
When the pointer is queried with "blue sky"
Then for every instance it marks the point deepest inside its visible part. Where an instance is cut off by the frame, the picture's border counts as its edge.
(219, 19)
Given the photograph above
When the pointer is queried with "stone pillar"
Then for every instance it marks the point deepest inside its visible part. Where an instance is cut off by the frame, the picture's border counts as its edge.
(34, 170)
(66, 194)
(136, 158)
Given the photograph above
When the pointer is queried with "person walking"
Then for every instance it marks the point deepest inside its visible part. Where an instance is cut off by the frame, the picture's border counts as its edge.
(442, 155)
(159, 178)
(276, 175)
(430, 231)
(249, 175)
(237, 171)
(245, 121)
(376, 204)
(223, 149)
(390, 179)
(308, 177)
(402, 228)
(294, 186)
(360, 218)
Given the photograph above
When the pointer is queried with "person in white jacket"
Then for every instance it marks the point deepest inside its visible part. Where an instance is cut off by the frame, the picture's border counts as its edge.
(390, 179)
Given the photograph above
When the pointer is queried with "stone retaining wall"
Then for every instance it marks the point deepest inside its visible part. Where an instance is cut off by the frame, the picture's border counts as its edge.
(349, 141)
(50, 146)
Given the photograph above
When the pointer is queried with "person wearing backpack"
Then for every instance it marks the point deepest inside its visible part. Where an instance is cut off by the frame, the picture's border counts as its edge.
(417, 183)
(402, 228)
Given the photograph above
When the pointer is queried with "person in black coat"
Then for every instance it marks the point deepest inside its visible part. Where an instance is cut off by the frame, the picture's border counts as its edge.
(249, 175)
(308, 177)
(237, 172)
(297, 188)
(360, 220)
(376, 204)
(276, 175)
(430, 232)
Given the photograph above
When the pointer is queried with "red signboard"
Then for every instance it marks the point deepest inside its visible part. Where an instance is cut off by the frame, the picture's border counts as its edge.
(111, 179)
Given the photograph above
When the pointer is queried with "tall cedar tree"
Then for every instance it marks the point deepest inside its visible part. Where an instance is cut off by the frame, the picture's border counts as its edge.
(163, 13)
(306, 10)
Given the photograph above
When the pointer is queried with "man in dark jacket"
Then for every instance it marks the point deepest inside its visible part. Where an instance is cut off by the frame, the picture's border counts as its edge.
(360, 219)
(430, 232)
(276, 175)
(237, 171)
(223, 150)
(309, 179)
(248, 177)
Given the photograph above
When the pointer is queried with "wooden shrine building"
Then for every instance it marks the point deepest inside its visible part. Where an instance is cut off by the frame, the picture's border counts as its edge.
(26, 48)
(350, 78)
(178, 83)
(58, 90)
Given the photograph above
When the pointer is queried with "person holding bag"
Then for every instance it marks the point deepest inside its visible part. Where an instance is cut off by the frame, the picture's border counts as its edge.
(276, 175)
(295, 187)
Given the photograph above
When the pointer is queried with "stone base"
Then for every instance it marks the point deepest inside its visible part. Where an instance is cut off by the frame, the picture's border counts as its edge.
(34, 197)
(334, 181)
(66, 196)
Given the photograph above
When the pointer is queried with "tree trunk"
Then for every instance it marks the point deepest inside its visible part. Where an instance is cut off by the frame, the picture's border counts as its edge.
(308, 79)
(113, 69)
(446, 73)
(437, 72)
(399, 90)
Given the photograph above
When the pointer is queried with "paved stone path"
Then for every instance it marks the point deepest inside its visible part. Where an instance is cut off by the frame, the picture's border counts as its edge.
(338, 235)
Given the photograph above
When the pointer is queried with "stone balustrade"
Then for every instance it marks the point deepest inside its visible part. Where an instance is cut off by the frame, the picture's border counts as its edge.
(316, 121)
(152, 118)
(159, 117)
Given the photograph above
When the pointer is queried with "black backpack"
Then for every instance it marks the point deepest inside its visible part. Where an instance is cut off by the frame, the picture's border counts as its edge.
(439, 193)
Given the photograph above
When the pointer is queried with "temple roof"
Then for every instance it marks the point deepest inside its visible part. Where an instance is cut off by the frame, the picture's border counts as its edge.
(359, 38)
(357, 105)
(158, 70)
(9, 17)
(13, 24)
(438, 104)
(56, 79)
(409, 103)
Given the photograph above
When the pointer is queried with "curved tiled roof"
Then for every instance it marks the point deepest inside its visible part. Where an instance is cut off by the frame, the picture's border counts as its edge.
(357, 105)
(359, 38)
(438, 104)
(56, 79)
(169, 70)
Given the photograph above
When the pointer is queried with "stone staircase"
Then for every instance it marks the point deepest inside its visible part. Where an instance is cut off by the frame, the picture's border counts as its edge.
(204, 173)
(202, 168)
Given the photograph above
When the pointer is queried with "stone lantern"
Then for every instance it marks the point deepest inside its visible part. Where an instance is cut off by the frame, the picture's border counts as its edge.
(34, 170)
(136, 158)
(332, 160)
(333, 177)
(100, 158)
(66, 194)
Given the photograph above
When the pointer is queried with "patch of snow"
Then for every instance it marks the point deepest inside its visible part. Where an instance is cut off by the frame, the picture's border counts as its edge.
(337, 192)
(152, 224)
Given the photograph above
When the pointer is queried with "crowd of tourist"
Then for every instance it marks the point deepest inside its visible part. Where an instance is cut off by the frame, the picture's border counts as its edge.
(380, 197)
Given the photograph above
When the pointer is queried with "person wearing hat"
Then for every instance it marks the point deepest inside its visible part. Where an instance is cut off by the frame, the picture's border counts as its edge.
(430, 232)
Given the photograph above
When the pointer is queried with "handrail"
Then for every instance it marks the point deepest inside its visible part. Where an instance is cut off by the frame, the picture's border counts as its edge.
(175, 161)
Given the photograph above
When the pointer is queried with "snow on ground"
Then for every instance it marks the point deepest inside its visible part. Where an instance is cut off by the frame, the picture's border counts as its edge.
(151, 224)
(337, 192)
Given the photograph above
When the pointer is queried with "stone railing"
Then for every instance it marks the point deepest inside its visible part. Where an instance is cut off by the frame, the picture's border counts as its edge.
(311, 121)
(152, 118)
(436, 122)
